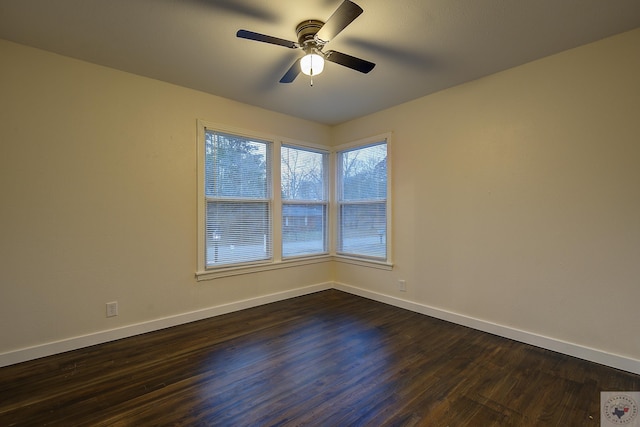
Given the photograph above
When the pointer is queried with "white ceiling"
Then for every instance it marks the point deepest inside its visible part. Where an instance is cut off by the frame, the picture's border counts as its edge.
(419, 46)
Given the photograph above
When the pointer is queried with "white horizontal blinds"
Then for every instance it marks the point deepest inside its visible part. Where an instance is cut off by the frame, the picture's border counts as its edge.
(238, 196)
(304, 201)
(362, 201)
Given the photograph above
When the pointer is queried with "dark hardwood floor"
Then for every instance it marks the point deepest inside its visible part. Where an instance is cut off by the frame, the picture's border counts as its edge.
(326, 359)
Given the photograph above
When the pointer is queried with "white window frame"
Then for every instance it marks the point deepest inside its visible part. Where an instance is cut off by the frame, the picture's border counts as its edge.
(203, 272)
(386, 264)
(324, 202)
(263, 200)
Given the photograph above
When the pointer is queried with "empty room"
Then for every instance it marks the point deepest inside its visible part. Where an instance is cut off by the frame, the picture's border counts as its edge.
(324, 213)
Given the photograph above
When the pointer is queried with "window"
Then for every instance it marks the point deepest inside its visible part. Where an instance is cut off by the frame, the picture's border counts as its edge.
(266, 203)
(237, 175)
(304, 201)
(362, 201)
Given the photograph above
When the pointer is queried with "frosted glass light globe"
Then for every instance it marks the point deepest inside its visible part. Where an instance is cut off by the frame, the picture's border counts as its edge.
(312, 64)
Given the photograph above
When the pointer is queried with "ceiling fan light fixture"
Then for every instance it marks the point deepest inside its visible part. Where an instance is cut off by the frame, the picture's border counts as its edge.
(313, 35)
(312, 64)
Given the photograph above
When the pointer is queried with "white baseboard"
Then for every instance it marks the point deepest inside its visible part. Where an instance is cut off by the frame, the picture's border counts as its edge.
(56, 347)
(571, 349)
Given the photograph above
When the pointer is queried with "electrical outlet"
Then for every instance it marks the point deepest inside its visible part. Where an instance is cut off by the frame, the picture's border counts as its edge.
(112, 309)
(402, 285)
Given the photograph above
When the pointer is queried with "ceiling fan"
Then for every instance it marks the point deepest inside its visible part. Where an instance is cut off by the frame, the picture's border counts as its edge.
(313, 35)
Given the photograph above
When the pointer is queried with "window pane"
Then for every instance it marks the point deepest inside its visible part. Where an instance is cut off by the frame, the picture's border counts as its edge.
(302, 174)
(235, 167)
(303, 229)
(237, 232)
(363, 229)
(304, 225)
(362, 198)
(364, 173)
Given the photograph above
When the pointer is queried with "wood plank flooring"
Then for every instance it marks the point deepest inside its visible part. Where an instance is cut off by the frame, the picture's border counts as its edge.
(326, 359)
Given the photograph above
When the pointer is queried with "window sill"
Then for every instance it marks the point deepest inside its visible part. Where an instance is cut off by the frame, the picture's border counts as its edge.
(381, 265)
(255, 268)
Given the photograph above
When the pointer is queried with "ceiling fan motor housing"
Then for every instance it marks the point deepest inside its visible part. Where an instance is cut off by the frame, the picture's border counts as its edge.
(306, 31)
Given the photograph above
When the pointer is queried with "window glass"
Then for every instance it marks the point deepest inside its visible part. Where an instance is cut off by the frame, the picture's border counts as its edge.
(304, 201)
(362, 201)
(238, 199)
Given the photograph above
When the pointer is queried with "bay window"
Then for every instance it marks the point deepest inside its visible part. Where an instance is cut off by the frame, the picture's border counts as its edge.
(264, 202)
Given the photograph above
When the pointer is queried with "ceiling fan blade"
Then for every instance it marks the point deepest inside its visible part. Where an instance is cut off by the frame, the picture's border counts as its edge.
(346, 13)
(250, 35)
(292, 73)
(349, 61)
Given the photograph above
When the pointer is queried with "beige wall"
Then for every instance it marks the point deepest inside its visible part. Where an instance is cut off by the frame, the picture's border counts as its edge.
(517, 198)
(98, 198)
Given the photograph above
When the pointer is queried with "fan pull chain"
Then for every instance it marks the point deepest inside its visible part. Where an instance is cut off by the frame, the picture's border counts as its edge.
(311, 75)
